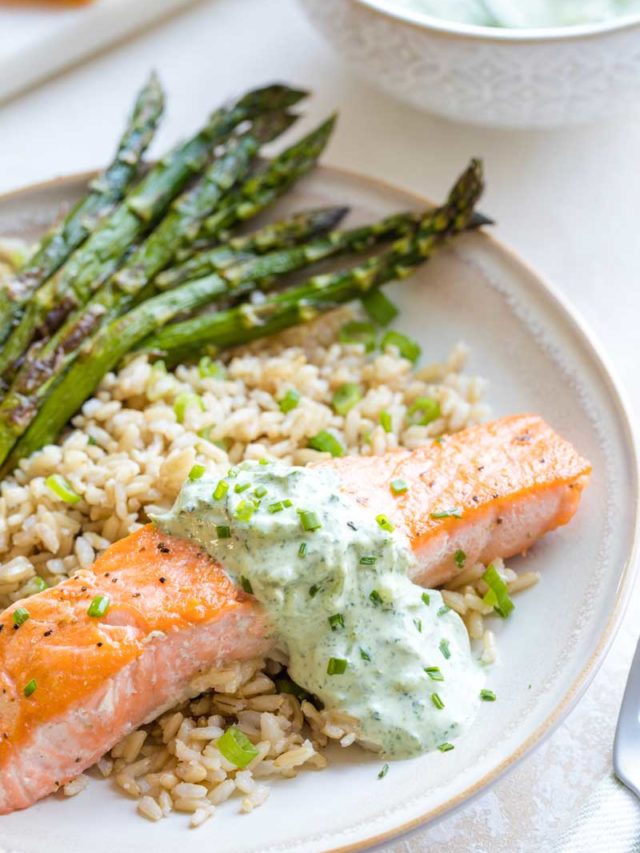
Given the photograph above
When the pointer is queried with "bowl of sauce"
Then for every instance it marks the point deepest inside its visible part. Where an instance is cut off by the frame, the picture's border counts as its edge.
(499, 63)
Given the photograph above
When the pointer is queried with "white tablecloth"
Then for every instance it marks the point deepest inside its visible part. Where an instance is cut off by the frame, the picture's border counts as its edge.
(567, 201)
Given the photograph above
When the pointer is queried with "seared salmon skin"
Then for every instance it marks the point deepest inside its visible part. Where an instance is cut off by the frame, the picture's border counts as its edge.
(90, 660)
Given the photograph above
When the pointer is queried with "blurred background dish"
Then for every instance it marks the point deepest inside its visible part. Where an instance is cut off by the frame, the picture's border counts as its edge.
(519, 78)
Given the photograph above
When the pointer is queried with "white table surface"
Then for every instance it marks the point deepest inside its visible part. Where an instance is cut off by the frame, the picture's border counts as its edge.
(567, 201)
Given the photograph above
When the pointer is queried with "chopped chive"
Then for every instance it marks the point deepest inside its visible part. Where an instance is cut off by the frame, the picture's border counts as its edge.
(399, 486)
(196, 472)
(325, 442)
(30, 688)
(263, 461)
(183, 402)
(444, 648)
(220, 490)
(260, 492)
(446, 747)
(278, 506)
(208, 368)
(232, 472)
(460, 558)
(455, 512)
(309, 521)
(223, 531)
(364, 655)
(359, 333)
(434, 673)
(384, 523)
(406, 346)
(286, 685)
(418, 624)
(487, 696)
(384, 771)
(99, 606)
(244, 511)
(241, 487)
(302, 549)
(290, 401)
(314, 590)
(444, 609)
(426, 598)
(498, 594)
(368, 561)
(345, 397)
(379, 307)
(245, 583)
(437, 701)
(336, 666)
(376, 598)
(423, 411)
(287, 502)
(20, 616)
(236, 747)
(336, 621)
(385, 421)
(61, 489)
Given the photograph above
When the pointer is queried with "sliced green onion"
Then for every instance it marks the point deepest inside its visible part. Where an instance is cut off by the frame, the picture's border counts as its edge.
(379, 307)
(232, 472)
(336, 621)
(368, 561)
(407, 347)
(446, 747)
(196, 472)
(384, 771)
(286, 685)
(61, 489)
(376, 598)
(455, 512)
(487, 696)
(444, 648)
(245, 583)
(182, 403)
(30, 688)
(336, 666)
(208, 368)
(220, 490)
(364, 655)
(384, 523)
(20, 616)
(241, 487)
(314, 590)
(423, 411)
(437, 701)
(434, 673)
(223, 531)
(289, 401)
(345, 397)
(263, 461)
(444, 609)
(309, 521)
(236, 747)
(302, 549)
(426, 598)
(244, 511)
(359, 333)
(399, 486)
(385, 421)
(260, 492)
(326, 443)
(278, 506)
(498, 594)
(460, 558)
(418, 624)
(99, 606)
(287, 502)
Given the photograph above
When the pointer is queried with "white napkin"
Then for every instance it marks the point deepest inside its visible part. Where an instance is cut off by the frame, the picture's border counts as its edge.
(609, 821)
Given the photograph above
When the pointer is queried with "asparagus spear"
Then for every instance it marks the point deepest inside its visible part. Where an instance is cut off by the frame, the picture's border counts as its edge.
(88, 268)
(37, 375)
(244, 323)
(104, 191)
(274, 236)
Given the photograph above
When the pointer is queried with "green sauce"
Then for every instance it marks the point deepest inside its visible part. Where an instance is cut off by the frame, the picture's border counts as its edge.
(528, 13)
(334, 583)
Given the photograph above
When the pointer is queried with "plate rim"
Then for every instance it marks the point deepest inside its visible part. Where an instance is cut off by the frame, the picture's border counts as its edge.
(630, 570)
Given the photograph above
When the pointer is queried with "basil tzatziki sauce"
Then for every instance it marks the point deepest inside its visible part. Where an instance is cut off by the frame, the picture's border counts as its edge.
(334, 582)
(524, 13)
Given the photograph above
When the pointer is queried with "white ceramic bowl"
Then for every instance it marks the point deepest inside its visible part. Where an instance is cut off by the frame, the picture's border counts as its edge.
(483, 75)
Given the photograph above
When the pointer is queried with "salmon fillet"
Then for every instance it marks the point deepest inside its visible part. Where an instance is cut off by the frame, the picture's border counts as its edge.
(489, 491)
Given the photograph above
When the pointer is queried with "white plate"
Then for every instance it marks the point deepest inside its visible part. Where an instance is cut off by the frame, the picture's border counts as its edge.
(537, 358)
